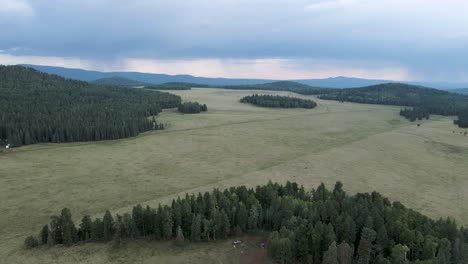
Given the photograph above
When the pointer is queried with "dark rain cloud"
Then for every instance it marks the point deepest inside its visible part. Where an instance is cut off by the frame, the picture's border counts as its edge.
(429, 37)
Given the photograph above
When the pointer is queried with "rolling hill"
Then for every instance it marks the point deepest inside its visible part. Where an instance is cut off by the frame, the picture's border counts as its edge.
(37, 107)
(459, 91)
(422, 100)
(119, 81)
(152, 78)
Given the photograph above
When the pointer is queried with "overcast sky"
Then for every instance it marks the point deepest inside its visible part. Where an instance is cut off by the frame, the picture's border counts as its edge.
(423, 40)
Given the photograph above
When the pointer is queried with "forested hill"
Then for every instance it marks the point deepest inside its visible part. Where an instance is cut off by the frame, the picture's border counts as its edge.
(459, 91)
(118, 81)
(176, 86)
(272, 86)
(38, 107)
(317, 226)
(424, 101)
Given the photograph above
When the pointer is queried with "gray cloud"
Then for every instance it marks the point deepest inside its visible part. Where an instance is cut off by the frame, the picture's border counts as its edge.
(428, 38)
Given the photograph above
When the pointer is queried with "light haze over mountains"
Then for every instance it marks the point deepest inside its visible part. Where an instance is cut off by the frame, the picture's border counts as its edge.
(152, 78)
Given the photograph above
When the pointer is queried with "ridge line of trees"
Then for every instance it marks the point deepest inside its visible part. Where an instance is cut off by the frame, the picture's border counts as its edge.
(317, 226)
(420, 101)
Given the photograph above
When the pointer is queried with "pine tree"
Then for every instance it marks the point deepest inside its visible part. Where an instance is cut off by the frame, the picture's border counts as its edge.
(118, 231)
(31, 242)
(444, 253)
(242, 217)
(331, 255)
(206, 229)
(179, 236)
(167, 223)
(365, 245)
(86, 226)
(225, 228)
(108, 226)
(69, 232)
(345, 253)
(382, 238)
(349, 230)
(399, 254)
(186, 216)
(195, 232)
(380, 259)
(44, 234)
(97, 230)
(253, 219)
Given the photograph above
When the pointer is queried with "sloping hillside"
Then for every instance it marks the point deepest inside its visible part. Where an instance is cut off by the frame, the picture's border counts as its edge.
(282, 86)
(424, 101)
(38, 107)
(460, 91)
(119, 81)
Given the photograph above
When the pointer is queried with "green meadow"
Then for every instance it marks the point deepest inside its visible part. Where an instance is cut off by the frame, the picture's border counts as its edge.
(367, 147)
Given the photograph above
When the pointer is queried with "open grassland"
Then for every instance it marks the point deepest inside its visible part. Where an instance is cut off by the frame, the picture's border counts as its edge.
(367, 147)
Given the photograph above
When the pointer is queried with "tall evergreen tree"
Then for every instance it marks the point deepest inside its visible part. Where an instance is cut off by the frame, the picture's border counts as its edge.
(399, 254)
(345, 253)
(365, 246)
(180, 239)
(108, 226)
(331, 255)
(86, 227)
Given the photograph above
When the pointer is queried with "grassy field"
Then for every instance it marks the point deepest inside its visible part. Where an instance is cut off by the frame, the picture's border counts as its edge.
(367, 147)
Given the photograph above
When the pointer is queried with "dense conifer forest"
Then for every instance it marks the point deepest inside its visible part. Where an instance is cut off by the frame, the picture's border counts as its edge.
(192, 108)
(37, 107)
(423, 101)
(277, 101)
(286, 86)
(176, 86)
(118, 81)
(320, 226)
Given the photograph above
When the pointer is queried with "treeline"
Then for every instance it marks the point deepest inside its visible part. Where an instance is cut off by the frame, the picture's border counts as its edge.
(277, 101)
(192, 108)
(462, 119)
(118, 81)
(423, 101)
(414, 114)
(176, 86)
(286, 86)
(320, 226)
(37, 107)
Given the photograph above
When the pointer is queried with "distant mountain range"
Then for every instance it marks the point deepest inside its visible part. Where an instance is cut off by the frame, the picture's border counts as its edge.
(119, 81)
(460, 91)
(153, 78)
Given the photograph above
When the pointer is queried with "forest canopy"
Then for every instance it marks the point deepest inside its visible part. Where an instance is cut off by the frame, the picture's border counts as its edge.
(118, 81)
(192, 108)
(421, 100)
(317, 226)
(277, 101)
(37, 107)
(286, 86)
(175, 86)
